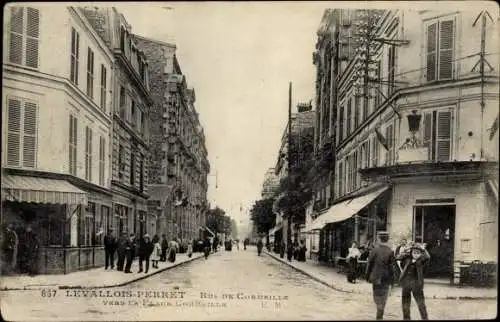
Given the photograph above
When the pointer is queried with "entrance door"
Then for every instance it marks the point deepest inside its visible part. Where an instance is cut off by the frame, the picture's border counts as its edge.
(435, 226)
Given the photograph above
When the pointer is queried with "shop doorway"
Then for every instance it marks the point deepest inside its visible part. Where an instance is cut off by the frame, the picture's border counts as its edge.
(435, 226)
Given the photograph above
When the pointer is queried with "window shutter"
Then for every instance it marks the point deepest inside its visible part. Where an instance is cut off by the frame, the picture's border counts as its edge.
(16, 35)
(431, 51)
(427, 133)
(443, 136)
(14, 132)
(75, 144)
(70, 144)
(32, 39)
(446, 49)
(29, 139)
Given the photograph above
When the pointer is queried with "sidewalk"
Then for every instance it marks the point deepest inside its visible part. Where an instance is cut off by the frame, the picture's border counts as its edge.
(329, 277)
(92, 278)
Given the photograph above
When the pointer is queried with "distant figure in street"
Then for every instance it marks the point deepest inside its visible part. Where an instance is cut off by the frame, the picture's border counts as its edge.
(145, 249)
(282, 249)
(301, 257)
(352, 262)
(246, 242)
(155, 256)
(215, 243)
(413, 262)
(28, 252)
(260, 245)
(173, 247)
(110, 245)
(164, 247)
(122, 251)
(9, 249)
(130, 245)
(190, 248)
(237, 241)
(289, 252)
(206, 247)
(380, 272)
(295, 250)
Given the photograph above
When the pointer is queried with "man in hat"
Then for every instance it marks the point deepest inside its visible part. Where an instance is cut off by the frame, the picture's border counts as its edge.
(110, 245)
(129, 252)
(413, 262)
(145, 249)
(380, 272)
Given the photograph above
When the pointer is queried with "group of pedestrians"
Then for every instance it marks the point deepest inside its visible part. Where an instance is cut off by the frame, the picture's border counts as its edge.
(406, 265)
(146, 249)
(20, 248)
(294, 251)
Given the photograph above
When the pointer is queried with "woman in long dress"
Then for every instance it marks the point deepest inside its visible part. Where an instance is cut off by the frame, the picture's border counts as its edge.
(156, 255)
(352, 262)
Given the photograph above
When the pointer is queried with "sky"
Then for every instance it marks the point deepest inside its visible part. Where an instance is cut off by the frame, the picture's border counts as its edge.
(239, 57)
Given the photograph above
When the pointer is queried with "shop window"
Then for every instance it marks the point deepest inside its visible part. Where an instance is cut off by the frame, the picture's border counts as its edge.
(86, 226)
(51, 229)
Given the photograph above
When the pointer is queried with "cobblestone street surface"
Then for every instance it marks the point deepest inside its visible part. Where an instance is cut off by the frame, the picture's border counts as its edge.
(228, 286)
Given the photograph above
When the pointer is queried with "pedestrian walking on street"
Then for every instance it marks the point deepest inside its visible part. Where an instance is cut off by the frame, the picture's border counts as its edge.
(190, 248)
(289, 252)
(155, 256)
(130, 246)
(110, 245)
(164, 247)
(282, 249)
(260, 245)
(172, 250)
(380, 272)
(215, 244)
(352, 262)
(10, 244)
(301, 257)
(246, 242)
(28, 252)
(206, 247)
(145, 249)
(413, 262)
(121, 251)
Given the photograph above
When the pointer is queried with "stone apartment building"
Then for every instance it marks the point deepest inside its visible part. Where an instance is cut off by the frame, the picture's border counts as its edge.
(57, 96)
(131, 108)
(416, 152)
(270, 184)
(179, 165)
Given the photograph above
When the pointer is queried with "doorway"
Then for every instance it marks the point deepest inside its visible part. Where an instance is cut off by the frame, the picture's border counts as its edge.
(435, 226)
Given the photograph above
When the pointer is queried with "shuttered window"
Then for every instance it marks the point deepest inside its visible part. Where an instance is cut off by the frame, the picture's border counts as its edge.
(341, 123)
(122, 103)
(391, 70)
(104, 85)
(141, 173)
(90, 73)
(340, 181)
(73, 135)
(440, 42)
(24, 36)
(75, 56)
(22, 133)
(389, 136)
(102, 162)
(357, 107)
(437, 133)
(88, 153)
(132, 168)
(349, 116)
(375, 151)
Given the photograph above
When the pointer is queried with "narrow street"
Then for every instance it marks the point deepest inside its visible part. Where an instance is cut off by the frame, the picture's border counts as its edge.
(228, 281)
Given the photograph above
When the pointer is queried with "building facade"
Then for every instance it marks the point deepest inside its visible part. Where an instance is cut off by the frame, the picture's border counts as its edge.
(412, 121)
(270, 184)
(179, 160)
(131, 108)
(56, 134)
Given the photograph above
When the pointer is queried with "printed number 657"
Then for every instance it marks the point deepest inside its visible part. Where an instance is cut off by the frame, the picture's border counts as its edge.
(48, 293)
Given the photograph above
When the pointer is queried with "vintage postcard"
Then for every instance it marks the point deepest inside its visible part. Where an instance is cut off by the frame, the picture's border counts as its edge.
(217, 160)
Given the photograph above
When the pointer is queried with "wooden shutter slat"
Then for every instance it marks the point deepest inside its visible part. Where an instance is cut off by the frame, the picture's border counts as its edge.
(14, 132)
(33, 23)
(446, 49)
(17, 19)
(443, 136)
(431, 51)
(29, 139)
(16, 48)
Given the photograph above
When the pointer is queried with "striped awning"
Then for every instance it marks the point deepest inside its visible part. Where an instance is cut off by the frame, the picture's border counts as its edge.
(41, 190)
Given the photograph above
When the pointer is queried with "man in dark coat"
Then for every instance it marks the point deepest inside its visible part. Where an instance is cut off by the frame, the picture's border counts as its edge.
(110, 245)
(28, 252)
(122, 251)
(10, 242)
(145, 250)
(380, 272)
(413, 262)
(215, 243)
(129, 252)
(164, 247)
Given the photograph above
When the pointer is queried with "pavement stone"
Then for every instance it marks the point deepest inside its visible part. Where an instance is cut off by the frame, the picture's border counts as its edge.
(92, 278)
(330, 277)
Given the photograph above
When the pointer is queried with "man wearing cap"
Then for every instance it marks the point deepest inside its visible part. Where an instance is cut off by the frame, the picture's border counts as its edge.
(110, 245)
(413, 262)
(380, 272)
(130, 252)
(145, 249)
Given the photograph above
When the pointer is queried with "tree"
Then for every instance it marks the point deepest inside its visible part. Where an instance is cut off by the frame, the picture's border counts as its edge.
(215, 220)
(263, 216)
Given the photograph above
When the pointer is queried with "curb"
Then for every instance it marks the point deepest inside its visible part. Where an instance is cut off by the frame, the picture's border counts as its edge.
(68, 287)
(470, 298)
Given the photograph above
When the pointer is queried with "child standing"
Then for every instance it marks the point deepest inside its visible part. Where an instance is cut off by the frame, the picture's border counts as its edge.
(157, 251)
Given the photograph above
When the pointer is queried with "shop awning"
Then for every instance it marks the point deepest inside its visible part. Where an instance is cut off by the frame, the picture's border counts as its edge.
(345, 209)
(41, 190)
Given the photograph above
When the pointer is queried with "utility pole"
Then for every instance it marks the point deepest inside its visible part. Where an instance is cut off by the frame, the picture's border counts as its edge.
(289, 161)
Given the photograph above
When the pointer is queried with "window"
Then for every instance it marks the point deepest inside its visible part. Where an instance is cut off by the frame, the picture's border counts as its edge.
(389, 136)
(122, 102)
(132, 168)
(21, 133)
(24, 36)
(123, 37)
(90, 73)
(375, 151)
(377, 89)
(391, 70)
(121, 216)
(349, 116)
(86, 226)
(439, 53)
(121, 161)
(365, 108)
(103, 87)
(73, 135)
(133, 115)
(75, 56)
(88, 153)
(341, 123)
(356, 111)
(437, 130)
(102, 162)
(141, 173)
(107, 220)
(143, 124)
